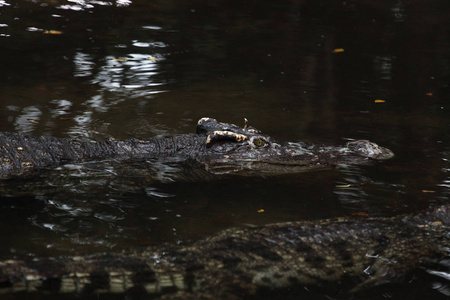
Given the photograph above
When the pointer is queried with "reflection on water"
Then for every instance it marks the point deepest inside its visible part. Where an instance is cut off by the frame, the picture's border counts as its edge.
(104, 68)
(135, 72)
(79, 5)
(399, 11)
(384, 65)
(446, 170)
(22, 122)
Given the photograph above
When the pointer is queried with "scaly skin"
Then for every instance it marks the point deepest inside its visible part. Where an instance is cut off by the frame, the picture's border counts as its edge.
(241, 263)
(220, 147)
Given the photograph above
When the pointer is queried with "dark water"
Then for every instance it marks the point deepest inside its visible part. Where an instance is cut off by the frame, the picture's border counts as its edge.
(298, 70)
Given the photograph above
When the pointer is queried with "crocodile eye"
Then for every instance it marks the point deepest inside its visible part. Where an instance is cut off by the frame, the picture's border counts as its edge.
(259, 142)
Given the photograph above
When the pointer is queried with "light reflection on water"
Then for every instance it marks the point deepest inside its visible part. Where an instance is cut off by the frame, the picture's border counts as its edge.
(133, 73)
(128, 77)
(446, 170)
(80, 5)
(22, 123)
(111, 68)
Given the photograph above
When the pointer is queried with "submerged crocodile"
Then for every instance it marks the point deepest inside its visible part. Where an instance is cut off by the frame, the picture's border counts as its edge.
(221, 147)
(250, 262)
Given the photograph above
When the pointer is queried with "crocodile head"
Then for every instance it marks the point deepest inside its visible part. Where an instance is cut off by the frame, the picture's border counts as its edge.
(246, 150)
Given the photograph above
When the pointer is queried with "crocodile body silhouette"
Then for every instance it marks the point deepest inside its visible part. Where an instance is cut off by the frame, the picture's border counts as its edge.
(220, 147)
(249, 262)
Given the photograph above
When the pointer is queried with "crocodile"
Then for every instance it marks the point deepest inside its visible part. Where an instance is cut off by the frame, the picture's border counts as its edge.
(221, 148)
(251, 262)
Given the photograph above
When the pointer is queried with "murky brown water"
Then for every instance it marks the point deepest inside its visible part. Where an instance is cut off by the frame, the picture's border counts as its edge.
(298, 70)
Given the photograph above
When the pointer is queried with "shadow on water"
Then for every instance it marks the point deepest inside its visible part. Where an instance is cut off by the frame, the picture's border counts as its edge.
(298, 70)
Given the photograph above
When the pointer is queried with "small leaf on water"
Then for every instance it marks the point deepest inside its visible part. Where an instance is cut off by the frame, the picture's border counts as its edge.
(343, 185)
(379, 101)
(152, 58)
(429, 94)
(52, 32)
(121, 59)
(338, 50)
(428, 191)
(261, 210)
(33, 121)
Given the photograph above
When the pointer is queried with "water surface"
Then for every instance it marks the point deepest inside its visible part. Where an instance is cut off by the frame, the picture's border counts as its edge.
(298, 70)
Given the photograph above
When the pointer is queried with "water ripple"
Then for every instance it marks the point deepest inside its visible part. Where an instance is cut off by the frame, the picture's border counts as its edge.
(134, 72)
